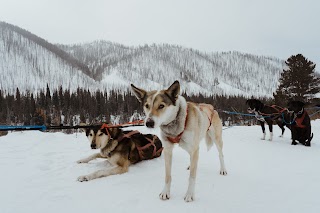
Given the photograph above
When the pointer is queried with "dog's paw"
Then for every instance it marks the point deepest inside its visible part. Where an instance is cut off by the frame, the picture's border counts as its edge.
(164, 195)
(294, 143)
(83, 178)
(223, 172)
(82, 161)
(189, 197)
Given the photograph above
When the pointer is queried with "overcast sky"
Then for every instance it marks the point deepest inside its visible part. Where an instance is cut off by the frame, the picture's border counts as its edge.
(278, 28)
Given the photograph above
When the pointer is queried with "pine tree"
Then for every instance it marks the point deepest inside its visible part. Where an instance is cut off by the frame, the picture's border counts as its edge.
(48, 98)
(298, 81)
(17, 106)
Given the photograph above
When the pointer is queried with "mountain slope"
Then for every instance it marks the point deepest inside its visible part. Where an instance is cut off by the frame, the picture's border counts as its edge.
(29, 62)
(156, 66)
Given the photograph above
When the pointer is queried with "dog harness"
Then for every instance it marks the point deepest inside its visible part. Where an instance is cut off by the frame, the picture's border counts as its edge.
(141, 149)
(178, 137)
(260, 116)
(300, 120)
(208, 116)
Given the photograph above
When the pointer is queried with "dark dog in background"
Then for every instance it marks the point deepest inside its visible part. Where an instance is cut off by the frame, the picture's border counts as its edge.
(268, 114)
(301, 127)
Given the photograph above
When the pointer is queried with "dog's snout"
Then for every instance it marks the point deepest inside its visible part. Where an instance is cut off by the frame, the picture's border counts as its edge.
(150, 123)
(93, 146)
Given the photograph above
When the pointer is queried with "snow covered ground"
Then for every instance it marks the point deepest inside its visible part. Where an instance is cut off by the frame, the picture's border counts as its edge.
(39, 174)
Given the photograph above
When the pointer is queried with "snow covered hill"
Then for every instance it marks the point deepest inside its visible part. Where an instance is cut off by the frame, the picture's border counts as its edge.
(30, 63)
(157, 66)
(39, 174)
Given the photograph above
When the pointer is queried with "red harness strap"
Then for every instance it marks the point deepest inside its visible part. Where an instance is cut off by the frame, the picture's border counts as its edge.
(300, 120)
(178, 137)
(140, 149)
(201, 106)
(175, 139)
(106, 126)
(128, 135)
(279, 108)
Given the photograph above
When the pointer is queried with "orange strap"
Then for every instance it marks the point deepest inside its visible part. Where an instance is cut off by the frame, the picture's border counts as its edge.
(178, 137)
(300, 120)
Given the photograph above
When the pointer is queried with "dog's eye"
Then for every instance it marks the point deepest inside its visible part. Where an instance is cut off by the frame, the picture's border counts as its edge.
(90, 134)
(147, 106)
(100, 134)
(161, 106)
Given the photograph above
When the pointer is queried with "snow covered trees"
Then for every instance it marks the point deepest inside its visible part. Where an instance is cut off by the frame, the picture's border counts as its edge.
(298, 81)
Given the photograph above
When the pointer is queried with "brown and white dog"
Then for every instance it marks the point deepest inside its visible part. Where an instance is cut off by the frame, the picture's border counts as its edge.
(182, 122)
(120, 148)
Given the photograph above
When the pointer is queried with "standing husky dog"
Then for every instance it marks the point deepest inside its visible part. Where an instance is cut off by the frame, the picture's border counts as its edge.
(181, 122)
(121, 148)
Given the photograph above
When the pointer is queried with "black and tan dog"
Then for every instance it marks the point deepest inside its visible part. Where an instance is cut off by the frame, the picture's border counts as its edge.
(301, 128)
(120, 148)
(268, 114)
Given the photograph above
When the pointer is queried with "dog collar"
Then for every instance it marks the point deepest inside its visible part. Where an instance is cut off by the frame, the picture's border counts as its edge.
(178, 137)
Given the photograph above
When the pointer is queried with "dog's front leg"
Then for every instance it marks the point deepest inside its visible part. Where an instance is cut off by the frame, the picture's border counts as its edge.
(90, 158)
(270, 130)
(192, 178)
(104, 173)
(294, 136)
(165, 194)
(263, 130)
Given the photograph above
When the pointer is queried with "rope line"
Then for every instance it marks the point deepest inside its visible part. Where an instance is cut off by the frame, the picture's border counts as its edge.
(44, 128)
(128, 124)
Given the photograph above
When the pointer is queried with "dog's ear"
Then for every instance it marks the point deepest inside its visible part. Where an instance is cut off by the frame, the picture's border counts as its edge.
(301, 104)
(173, 91)
(139, 93)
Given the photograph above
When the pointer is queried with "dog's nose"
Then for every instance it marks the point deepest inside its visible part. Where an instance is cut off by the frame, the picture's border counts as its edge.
(93, 146)
(150, 123)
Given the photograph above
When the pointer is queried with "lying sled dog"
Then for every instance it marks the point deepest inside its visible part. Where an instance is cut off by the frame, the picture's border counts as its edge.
(121, 148)
(181, 122)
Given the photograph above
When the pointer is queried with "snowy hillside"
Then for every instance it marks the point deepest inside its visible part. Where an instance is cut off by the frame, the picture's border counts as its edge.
(157, 66)
(39, 174)
(24, 63)
(30, 63)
